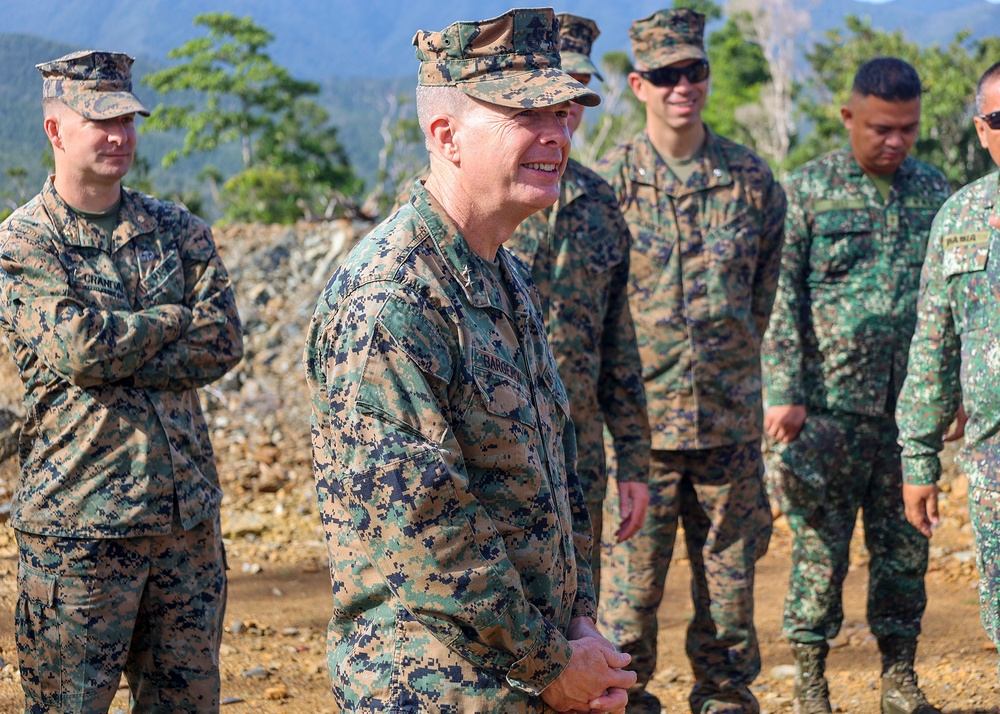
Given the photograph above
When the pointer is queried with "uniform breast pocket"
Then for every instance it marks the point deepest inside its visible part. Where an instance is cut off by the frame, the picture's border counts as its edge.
(841, 241)
(969, 292)
(163, 281)
(918, 224)
(651, 250)
(94, 278)
(731, 249)
(501, 445)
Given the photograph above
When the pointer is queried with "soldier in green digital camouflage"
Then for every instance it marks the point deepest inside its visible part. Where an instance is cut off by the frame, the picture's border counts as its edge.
(117, 308)
(444, 455)
(954, 356)
(706, 217)
(835, 359)
(578, 251)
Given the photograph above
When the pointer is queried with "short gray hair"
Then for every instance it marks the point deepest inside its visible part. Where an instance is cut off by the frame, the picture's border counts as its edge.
(51, 107)
(432, 100)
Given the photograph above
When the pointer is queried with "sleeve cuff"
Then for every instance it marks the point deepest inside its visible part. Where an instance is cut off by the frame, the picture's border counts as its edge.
(543, 665)
(921, 470)
(633, 465)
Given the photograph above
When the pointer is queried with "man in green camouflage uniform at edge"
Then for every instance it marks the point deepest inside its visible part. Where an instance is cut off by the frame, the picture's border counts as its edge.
(578, 253)
(834, 361)
(117, 308)
(954, 357)
(444, 455)
(706, 217)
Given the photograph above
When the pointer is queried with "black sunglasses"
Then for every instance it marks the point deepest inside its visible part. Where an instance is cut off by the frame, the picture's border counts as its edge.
(671, 76)
(992, 119)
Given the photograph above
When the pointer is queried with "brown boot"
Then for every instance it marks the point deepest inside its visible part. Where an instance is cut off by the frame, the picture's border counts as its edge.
(900, 692)
(812, 694)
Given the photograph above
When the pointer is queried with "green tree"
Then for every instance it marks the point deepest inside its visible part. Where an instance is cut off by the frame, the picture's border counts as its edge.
(949, 74)
(292, 160)
(739, 73)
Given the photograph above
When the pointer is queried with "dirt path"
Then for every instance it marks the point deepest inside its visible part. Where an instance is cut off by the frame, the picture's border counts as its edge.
(273, 651)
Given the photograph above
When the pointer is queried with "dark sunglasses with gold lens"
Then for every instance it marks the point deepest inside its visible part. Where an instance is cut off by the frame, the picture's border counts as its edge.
(671, 76)
(992, 119)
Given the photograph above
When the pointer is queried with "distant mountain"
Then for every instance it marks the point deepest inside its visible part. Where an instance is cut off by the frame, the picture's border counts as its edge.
(317, 39)
(357, 50)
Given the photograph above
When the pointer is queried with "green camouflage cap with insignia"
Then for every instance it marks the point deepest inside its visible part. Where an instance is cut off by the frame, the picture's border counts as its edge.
(667, 37)
(511, 60)
(96, 85)
(576, 37)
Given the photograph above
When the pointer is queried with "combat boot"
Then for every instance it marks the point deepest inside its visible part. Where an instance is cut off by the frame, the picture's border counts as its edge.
(900, 691)
(812, 694)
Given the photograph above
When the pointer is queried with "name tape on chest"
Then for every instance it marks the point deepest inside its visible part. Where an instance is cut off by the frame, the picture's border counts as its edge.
(959, 240)
(498, 366)
(839, 204)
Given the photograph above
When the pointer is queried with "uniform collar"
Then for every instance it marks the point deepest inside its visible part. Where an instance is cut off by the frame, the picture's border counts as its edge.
(711, 171)
(133, 220)
(468, 269)
(854, 169)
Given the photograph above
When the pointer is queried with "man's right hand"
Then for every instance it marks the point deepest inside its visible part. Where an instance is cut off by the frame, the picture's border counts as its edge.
(784, 421)
(594, 679)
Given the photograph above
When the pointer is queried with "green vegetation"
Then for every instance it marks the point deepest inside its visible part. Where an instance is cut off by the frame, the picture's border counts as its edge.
(949, 74)
(236, 136)
(292, 161)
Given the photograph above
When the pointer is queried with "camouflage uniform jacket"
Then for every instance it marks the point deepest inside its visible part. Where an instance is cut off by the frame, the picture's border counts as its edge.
(704, 267)
(578, 251)
(112, 337)
(956, 346)
(446, 476)
(847, 297)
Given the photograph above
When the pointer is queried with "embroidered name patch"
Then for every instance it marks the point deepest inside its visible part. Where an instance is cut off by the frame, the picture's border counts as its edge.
(839, 204)
(498, 366)
(957, 240)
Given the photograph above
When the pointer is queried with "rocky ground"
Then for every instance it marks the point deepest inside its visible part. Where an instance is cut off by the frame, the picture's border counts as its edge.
(273, 650)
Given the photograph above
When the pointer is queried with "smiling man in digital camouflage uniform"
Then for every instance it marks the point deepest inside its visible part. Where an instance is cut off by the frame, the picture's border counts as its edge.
(117, 308)
(706, 217)
(954, 356)
(444, 456)
(578, 253)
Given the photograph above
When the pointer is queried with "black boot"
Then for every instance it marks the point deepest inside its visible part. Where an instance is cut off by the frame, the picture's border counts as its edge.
(900, 692)
(812, 694)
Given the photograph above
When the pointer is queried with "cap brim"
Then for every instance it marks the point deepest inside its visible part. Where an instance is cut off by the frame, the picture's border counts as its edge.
(536, 88)
(104, 105)
(668, 56)
(577, 63)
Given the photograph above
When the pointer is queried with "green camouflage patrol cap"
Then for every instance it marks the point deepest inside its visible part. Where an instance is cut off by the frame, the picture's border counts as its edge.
(96, 85)
(667, 37)
(511, 60)
(576, 37)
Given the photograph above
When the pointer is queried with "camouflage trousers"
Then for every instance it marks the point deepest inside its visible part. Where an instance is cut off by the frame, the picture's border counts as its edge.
(151, 607)
(984, 512)
(719, 497)
(864, 472)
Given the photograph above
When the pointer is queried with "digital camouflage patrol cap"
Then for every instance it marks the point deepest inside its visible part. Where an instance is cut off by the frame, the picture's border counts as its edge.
(667, 37)
(511, 60)
(96, 85)
(576, 37)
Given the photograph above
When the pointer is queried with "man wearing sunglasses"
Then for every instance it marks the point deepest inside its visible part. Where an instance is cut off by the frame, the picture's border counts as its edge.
(834, 362)
(952, 360)
(707, 219)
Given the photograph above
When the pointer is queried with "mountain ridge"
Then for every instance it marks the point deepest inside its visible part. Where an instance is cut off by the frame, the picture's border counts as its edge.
(317, 39)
